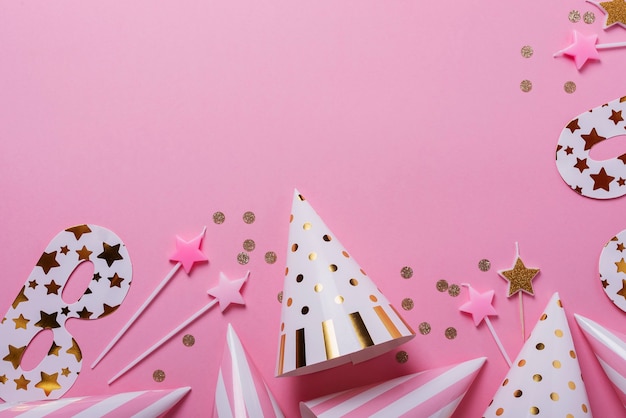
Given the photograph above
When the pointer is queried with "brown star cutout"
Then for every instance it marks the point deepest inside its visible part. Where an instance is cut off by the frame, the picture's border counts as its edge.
(79, 230)
(591, 139)
(84, 253)
(621, 266)
(620, 247)
(3, 379)
(520, 278)
(21, 297)
(48, 383)
(21, 322)
(64, 250)
(52, 287)
(108, 309)
(48, 261)
(48, 321)
(578, 189)
(616, 117)
(97, 277)
(622, 291)
(111, 253)
(15, 355)
(601, 180)
(621, 182)
(65, 371)
(22, 383)
(605, 284)
(32, 284)
(116, 281)
(622, 158)
(84, 313)
(75, 350)
(54, 349)
(581, 164)
(569, 150)
(573, 125)
(65, 310)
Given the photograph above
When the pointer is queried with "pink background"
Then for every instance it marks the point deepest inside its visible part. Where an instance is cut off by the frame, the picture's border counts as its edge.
(402, 122)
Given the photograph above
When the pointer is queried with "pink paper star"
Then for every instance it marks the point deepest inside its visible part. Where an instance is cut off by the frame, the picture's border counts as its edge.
(228, 291)
(582, 49)
(188, 252)
(479, 305)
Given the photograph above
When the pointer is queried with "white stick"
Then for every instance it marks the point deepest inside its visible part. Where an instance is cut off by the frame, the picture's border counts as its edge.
(612, 45)
(498, 342)
(164, 339)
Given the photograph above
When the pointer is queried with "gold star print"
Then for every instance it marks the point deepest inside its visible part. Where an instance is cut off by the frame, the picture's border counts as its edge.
(621, 266)
(108, 309)
(48, 261)
(52, 288)
(84, 313)
(520, 278)
(622, 291)
(616, 12)
(84, 253)
(33, 284)
(75, 350)
(21, 297)
(573, 125)
(591, 139)
(79, 230)
(21, 322)
(3, 379)
(116, 281)
(22, 383)
(65, 371)
(15, 355)
(48, 320)
(616, 117)
(110, 253)
(54, 350)
(64, 250)
(48, 383)
(601, 180)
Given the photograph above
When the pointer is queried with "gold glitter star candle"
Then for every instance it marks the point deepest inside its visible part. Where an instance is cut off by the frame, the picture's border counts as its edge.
(545, 378)
(332, 312)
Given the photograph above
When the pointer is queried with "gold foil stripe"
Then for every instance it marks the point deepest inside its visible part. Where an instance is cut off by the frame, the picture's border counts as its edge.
(391, 328)
(361, 330)
(300, 351)
(402, 319)
(330, 339)
(281, 357)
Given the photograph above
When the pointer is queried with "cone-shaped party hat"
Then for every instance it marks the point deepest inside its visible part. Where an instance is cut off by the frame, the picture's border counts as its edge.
(241, 391)
(545, 378)
(432, 393)
(332, 312)
(610, 350)
(143, 404)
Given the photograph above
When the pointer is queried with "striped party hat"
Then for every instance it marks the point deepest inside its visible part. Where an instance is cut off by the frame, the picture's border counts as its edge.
(241, 391)
(432, 393)
(332, 312)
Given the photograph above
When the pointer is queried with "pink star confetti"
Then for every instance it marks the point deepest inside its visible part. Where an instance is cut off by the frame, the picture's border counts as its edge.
(188, 252)
(582, 49)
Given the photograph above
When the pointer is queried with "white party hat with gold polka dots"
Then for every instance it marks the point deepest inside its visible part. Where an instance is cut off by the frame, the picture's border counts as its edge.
(545, 379)
(332, 312)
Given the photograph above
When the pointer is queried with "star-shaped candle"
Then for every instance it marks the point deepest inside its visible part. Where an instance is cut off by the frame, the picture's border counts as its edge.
(186, 255)
(615, 11)
(585, 47)
(480, 307)
(226, 289)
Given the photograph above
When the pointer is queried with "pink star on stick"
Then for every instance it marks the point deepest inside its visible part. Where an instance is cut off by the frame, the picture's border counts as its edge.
(479, 306)
(186, 255)
(583, 48)
(226, 292)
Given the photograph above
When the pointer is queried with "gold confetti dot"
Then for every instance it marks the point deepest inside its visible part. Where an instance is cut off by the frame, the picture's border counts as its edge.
(537, 377)
(306, 226)
(424, 328)
(442, 285)
(589, 18)
(540, 346)
(373, 298)
(345, 254)
(572, 354)
(363, 272)
(406, 272)
(289, 302)
(249, 217)
(571, 385)
(286, 271)
(559, 303)
(484, 265)
(574, 16)
(526, 86)
(304, 310)
(402, 357)
(454, 290)
(312, 256)
(299, 278)
(517, 393)
(219, 218)
(584, 408)
(280, 297)
(249, 245)
(558, 333)
(543, 317)
(270, 258)
(339, 300)
(450, 333)
(534, 410)
(332, 267)
(294, 248)
(189, 340)
(556, 364)
(527, 51)
(554, 396)
(506, 382)
(569, 87)
(407, 304)
(318, 287)
(243, 258)
(354, 282)
(569, 416)
(521, 363)
(282, 326)
(499, 411)
(158, 375)
(327, 238)
(291, 218)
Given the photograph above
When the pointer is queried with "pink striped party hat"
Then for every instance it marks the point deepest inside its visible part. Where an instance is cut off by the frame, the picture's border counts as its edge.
(143, 404)
(609, 346)
(432, 393)
(332, 312)
(241, 391)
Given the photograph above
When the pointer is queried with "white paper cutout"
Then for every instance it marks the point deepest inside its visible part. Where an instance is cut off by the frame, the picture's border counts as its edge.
(612, 267)
(39, 306)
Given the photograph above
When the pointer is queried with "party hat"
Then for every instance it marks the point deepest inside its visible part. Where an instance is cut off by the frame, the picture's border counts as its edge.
(545, 378)
(432, 393)
(241, 391)
(332, 312)
(143, 404)
(610, 350)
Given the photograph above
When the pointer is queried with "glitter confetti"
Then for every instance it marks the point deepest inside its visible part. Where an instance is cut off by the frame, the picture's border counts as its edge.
(424, 328)
(270, 257)
(219, 218)
(407, 304)
(484, 265)
(158, 375)
(249, 217)
(569, 87)
(527, 51)
(189, 340)
(402, 357)
(574, 16)
(526, 86)
(451, 333)
(442, 285)
(454, 290)
(589, 18)
(406, 272)
(243, 258)
(249, 245)
(280, 297)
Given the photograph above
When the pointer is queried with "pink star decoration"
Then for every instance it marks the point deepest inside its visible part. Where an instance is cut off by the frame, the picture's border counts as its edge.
(479, 305)
(188, 252)
(228, 291)
(582, 49)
